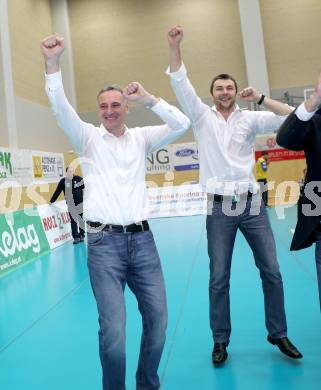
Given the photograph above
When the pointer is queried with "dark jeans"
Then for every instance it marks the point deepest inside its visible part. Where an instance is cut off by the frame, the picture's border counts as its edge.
(318, 261)
(221, 233)
(114, 260)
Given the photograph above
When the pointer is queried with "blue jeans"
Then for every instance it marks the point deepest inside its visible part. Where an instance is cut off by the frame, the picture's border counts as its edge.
(114, 260)
(318, 261)
(221, 233)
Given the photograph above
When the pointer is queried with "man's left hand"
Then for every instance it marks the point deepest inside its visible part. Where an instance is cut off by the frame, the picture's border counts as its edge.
(250, 94)
(136, 92)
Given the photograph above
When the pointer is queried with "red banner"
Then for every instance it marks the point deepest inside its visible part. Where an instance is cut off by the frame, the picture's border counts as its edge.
(281, 154)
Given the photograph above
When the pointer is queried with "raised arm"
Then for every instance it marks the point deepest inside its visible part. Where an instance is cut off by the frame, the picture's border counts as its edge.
(174, 37)
(278, 108)
(192, 105)
(314, 101)
(295, 133)
(52, 48)
(176, 122)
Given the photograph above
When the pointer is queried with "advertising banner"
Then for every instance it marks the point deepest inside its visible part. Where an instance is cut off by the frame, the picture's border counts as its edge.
(276, 153)
(56, 223)
(47, 167)
(160, 161)
(185, 156)
(177, 201)
(21, 239)
(15, 166)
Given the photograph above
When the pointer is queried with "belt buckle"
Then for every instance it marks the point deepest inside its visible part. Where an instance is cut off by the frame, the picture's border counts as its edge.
(141, 225)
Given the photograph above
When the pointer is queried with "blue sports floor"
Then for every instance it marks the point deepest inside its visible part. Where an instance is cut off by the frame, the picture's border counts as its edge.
(48, 326)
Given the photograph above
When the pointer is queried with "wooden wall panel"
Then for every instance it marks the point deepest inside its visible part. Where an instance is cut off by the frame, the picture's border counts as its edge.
(292, 41)
(29, 23)
(121, 41)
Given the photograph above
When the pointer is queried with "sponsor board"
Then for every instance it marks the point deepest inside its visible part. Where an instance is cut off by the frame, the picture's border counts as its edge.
(55, 220)
(22, 238)
(25, 167)
(177, 201)
(159, 161)
(276, 153)
(47, 167)
(15, 166)
(185, 156)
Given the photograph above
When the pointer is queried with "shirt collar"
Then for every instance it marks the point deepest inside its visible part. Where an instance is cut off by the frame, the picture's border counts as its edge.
(236, 108)
(103, 131)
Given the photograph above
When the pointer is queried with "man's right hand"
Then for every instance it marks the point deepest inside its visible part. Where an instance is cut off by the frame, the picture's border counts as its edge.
(175, 36)
(52, 47)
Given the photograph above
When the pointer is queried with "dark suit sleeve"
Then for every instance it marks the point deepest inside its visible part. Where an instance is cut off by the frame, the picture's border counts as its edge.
(59, 189)
(294, 134)
(82, 186)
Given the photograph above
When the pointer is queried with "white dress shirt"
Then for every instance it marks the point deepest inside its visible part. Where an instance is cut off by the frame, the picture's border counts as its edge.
(225, 147)
(114, 167)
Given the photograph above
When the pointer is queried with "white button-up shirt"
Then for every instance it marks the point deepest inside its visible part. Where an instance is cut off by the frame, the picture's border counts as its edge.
(226, 147)
(114, 167)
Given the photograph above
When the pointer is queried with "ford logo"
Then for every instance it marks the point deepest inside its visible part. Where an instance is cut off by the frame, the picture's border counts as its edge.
(185, 152)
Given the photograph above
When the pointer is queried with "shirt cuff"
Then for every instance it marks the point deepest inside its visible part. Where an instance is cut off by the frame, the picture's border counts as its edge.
(303, 114)
(180, 74)
(159, 107)
(53, 80)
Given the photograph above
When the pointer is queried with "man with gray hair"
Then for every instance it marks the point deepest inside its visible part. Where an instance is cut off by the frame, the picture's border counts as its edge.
(121, 248)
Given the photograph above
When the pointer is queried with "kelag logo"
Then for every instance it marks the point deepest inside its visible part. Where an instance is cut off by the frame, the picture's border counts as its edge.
(13, 241)
(22, 238)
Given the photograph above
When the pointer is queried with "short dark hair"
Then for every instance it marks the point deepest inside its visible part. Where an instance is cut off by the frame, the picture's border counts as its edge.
(223, 76)
(111, 87)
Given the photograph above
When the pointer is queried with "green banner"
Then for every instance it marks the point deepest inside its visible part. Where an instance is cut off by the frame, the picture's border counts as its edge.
(22, 238)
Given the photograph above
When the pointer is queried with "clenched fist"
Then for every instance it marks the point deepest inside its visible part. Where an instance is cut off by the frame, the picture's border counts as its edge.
(175, 35)
(249, 94)
(136, 92)
(52, 46)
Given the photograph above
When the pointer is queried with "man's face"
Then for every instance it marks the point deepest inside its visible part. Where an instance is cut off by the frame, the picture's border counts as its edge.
(112, 110)
(224, 94)
(70, 172)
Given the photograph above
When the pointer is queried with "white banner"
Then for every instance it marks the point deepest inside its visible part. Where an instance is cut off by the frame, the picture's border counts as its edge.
(185, 156)
(266, 142)
(159, 161)
(15, 166)
(56, 223)
(177, 201)
(47, 167)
